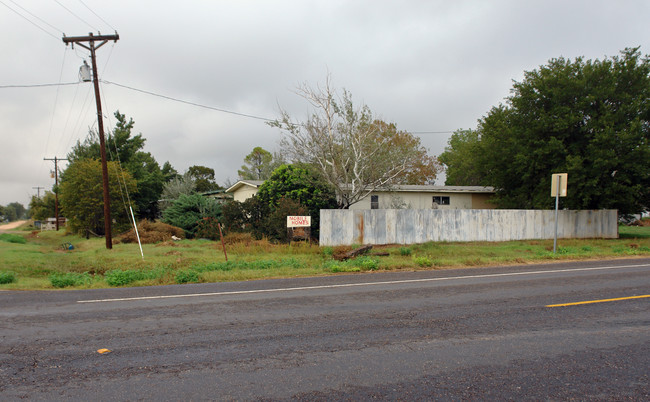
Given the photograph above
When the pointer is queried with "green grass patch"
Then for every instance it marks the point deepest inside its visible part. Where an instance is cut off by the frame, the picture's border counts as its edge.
(66, 279)
(634, 232)
(40, 263)
(423, 261)
(405, 251)
(186, 276)
(12, 238)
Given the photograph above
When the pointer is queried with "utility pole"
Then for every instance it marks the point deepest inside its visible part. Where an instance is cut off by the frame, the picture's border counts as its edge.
(56, 192)
(91, 39)
(38, 191)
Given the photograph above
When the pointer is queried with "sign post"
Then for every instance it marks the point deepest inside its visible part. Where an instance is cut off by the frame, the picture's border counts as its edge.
(558, 189)
(301, 222)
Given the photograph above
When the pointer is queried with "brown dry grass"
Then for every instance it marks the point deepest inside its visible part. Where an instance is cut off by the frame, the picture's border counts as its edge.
(152, 232)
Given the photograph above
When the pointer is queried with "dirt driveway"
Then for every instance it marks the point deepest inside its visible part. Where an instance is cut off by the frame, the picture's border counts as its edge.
(11, 225)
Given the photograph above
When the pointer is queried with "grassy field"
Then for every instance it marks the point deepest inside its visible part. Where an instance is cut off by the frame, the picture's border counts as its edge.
(40, 260)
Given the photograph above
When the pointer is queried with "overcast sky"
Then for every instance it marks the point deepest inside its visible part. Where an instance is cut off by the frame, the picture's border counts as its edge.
(428, 66)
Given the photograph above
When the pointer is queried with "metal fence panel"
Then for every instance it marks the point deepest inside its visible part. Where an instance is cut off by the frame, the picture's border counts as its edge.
(409, 226)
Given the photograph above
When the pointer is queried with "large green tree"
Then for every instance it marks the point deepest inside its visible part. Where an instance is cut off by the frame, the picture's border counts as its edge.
(259, 164)
(82, 197)
(44, 207)
(461, 157)
(12, 212)
(188, 210)
(203, 177)
(352, 151)
(589, 118)
(126, 149)
(302, 184)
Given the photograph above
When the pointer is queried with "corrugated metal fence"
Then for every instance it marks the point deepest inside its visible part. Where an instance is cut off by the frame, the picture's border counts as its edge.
(409, 226)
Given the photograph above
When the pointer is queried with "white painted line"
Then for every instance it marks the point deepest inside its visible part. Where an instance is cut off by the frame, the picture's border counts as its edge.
(347, 285)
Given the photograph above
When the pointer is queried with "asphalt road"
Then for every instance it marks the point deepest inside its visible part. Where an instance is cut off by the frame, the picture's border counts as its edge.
(483, 333)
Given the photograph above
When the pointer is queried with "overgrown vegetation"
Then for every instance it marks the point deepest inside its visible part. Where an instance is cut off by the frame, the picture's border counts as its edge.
(12, 238)
(40, 262)
(7, 277)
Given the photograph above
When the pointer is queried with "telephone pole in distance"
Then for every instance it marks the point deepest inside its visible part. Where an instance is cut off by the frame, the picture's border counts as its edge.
(91, 39)
(38, 191)
(56, 192)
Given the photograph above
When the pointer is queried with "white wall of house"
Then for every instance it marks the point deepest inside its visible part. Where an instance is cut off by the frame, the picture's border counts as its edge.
(244, 192)
(423, 200)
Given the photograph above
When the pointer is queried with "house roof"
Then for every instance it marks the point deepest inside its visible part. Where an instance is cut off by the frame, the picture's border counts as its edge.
(242, 183)
(414, 188)
(441, 189)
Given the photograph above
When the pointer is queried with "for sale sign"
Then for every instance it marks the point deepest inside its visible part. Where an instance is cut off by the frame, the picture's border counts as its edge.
(298, 221)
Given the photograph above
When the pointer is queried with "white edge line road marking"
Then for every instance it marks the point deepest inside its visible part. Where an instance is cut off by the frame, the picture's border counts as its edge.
(345, 285)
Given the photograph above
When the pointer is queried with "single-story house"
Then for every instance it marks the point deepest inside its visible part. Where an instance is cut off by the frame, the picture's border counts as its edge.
(244, 189)
(403, 197)
(428, 197)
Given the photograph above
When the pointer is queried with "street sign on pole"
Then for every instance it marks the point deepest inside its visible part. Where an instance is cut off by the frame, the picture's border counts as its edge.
(558, 184)
(558, 189)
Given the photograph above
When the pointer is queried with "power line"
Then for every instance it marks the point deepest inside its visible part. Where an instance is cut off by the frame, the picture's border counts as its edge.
(38, 85)
(35, 16)
(75, 15)
(188, 102)
(28, 20)
(96, 15)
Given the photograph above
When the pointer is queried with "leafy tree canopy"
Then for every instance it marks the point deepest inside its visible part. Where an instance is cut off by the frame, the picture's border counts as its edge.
(352, 151)
(461, 158)
(44, 207)
(174, 188)
(12, 212)
(301, 184)
(203, 178)
(259, 164)
(588, 118)
(126, 149)
(82, 196)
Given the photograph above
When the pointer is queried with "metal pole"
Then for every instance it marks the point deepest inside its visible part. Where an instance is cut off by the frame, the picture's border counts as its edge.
(557, 204)
(222, 242)
(137, 234)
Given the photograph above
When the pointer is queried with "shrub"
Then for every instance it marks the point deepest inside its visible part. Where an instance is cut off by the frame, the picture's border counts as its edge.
(12, 238)
(276, 222)
(359, 264)
(152, 232)
(187, 276)
(405, 251)
(118, 277)
(7, 277)
(423, 261)
(208, 228)
(62, 280)
(366, 263)
(188, 210)
(327, 251)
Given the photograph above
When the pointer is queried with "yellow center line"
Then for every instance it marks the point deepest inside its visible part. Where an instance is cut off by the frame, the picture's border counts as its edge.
(598, 301)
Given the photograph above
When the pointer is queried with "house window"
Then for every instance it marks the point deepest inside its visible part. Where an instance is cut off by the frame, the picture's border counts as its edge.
(374, 202)
(440, 201)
